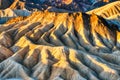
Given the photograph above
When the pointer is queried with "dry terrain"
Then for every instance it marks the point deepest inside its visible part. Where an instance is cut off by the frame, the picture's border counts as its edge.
(60, 45)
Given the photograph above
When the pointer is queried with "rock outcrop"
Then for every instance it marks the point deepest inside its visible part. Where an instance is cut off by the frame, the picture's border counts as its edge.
(59, 46)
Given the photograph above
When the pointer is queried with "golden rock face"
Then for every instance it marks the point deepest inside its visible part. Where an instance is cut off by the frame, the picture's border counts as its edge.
(59, 46)
(67, 1)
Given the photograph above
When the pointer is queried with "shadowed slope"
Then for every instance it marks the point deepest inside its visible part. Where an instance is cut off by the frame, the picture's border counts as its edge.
(5, 3)
(111, 12)
(8, 13)
(13, 4)
(60, 46)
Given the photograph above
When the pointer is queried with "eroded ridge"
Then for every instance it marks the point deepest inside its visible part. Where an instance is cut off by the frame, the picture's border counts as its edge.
(59, 46)
(108, 11)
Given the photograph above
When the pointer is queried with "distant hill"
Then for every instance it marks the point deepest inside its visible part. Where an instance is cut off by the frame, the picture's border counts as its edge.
(74, 5)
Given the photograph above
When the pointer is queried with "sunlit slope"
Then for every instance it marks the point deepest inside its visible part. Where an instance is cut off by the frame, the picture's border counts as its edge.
(59, 46)
(108, 11)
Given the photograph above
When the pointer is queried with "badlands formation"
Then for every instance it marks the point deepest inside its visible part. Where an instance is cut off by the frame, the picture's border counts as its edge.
(44, 45)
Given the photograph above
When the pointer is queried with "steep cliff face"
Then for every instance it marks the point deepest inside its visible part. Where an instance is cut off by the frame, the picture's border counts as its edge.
(59, 46)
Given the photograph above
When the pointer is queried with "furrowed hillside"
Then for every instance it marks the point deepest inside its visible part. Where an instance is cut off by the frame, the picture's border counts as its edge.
(59, 46)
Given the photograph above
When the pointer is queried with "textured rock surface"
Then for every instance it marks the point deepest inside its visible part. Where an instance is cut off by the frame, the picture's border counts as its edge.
(59, 46)
(110, 12)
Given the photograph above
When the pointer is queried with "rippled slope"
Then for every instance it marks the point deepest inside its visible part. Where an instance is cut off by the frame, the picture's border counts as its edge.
(59, 46)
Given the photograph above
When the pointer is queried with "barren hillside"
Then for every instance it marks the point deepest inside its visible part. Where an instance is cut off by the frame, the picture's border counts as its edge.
(111, 12)
(59, 46)
(59, 42)
(107, 11)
